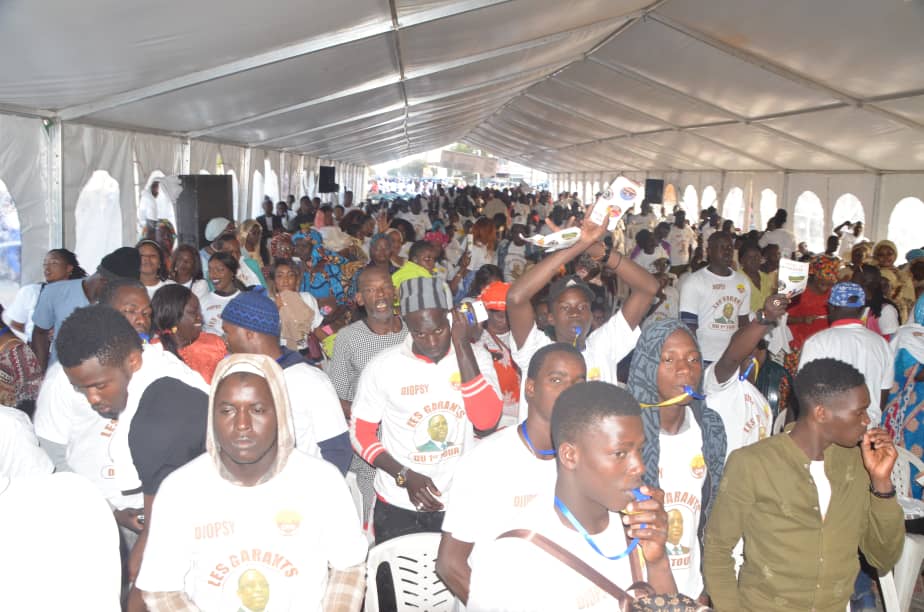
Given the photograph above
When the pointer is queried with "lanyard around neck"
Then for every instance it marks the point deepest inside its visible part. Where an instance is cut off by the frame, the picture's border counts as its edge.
(751, 366)
(688, 394)
(529, 443)
(639, 496)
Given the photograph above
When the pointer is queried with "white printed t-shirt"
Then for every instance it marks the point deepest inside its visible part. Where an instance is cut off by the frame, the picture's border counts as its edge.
(681, 239)
(512, 574)
(867, 351)
(744, 410)
(278, 536)
(682, 470)
(212, 305)
(605, 348)
(64, 416)
(647, 260)
(20, 455)
(668, 309)
(316, 411)
(717, 301)
(419, 404)
(492, 484)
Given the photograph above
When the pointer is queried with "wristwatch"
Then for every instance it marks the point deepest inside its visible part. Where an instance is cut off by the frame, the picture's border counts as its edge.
(401, 477)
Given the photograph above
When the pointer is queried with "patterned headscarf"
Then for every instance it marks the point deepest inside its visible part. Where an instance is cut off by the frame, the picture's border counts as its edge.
(281, 246)
(824, 268)
(643, 384)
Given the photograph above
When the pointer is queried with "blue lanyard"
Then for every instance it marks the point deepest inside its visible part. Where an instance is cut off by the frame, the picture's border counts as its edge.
(747, 372)
(692, 393)
(529, 443)
(639, 496)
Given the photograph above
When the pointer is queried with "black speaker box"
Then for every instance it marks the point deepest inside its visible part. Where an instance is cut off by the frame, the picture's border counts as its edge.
(203, 198)
(327, 179)
(654, 191)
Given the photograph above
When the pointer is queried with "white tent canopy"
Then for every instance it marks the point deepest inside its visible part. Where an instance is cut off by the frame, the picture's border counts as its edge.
(788, 95)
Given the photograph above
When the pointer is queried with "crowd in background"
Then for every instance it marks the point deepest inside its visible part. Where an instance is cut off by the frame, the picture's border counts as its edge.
(420, 344)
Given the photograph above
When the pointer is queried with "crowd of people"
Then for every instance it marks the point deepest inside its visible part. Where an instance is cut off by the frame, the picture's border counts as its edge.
(641, 415)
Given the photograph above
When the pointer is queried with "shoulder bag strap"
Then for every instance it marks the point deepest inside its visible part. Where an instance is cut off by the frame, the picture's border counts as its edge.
(571, 561)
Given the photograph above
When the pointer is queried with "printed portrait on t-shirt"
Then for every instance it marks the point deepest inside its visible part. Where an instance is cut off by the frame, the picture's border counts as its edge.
(675, 534)
(728, 314)
(437, 434)
(253, 590)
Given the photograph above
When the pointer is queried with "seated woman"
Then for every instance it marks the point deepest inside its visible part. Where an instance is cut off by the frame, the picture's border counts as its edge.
(223, 268)
(20, 374)
(187, 270)
(177, 324)
(902, 416)
(250, 237)
(322, 277)
(59, 264)
(299, 313)
(154, 272)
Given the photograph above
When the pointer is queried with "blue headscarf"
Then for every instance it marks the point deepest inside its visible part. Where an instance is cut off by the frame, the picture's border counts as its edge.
(919, 311)
(326, 282)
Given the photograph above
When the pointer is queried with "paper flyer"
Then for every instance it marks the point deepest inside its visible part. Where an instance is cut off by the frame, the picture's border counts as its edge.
(557, 240)
(793, 277)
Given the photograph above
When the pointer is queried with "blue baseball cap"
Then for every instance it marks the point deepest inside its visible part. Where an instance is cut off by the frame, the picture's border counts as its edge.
(847, 295)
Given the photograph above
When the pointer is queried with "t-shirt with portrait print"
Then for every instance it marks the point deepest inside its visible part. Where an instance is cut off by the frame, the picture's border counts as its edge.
(269, 546)
(419, 403)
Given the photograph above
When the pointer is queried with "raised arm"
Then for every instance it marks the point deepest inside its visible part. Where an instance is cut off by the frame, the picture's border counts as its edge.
(746, 338)
(519, 306)
(642, 286)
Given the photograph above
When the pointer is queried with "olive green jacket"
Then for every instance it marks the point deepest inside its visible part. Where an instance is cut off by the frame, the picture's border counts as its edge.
(794, 560)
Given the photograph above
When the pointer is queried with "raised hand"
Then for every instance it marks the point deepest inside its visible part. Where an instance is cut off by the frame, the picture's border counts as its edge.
(775, 306)
(651, 513)
(879, 457)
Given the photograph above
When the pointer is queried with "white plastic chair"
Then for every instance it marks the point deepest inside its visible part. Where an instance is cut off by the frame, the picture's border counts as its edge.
(412, 559)
(779, 422)
(898, 585)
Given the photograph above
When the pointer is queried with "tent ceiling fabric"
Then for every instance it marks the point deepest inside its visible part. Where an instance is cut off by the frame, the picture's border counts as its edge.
(560, 85)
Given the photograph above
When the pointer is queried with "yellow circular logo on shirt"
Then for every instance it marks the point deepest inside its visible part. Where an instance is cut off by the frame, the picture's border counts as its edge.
(288, 521)
(698, 466)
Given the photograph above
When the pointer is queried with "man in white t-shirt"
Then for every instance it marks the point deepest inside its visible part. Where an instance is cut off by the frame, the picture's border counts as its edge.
(104, 359)
(418, 219)
(252, 525)
(850, 237)
(520, 461)
(780, 235)
(648, 251)
(716, 300)
(729, 382)
(682, 239)
(598, 436)
(570, 308)
(426, 395)
(848, 340)
(251, 324)
(76, 436)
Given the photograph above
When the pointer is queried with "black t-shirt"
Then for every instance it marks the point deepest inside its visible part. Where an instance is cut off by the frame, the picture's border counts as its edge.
(168, 430)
